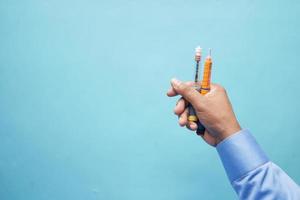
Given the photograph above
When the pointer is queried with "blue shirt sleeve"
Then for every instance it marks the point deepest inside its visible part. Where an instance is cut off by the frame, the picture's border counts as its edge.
(251, 173)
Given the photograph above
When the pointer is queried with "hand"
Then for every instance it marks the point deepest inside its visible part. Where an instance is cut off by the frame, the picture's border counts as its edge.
(213, 110)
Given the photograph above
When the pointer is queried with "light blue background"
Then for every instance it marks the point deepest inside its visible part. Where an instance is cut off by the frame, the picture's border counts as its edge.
(83, 110)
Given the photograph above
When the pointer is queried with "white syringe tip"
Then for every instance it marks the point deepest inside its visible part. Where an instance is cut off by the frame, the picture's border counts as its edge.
(198, 50)
(198, 54)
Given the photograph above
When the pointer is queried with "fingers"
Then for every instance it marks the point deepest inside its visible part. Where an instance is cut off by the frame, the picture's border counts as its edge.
(172, 92)
(183, 121)
(183, 118)
(192, 126)
(187, 92)
(180, 106)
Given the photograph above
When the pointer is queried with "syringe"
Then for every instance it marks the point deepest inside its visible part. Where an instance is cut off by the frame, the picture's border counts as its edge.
(192, 117)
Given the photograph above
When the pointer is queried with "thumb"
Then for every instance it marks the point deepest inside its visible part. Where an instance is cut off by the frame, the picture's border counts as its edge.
(189, 93)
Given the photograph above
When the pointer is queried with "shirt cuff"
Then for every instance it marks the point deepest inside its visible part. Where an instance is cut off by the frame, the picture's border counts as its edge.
(240, 154)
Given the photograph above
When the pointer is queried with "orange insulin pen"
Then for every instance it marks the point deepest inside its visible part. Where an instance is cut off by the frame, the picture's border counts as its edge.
(205, 86)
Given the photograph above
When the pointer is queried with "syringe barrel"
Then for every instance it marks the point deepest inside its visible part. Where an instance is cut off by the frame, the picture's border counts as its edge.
(205, 84)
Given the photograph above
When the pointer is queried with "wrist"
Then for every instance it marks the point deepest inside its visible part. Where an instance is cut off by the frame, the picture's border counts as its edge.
(228, 131)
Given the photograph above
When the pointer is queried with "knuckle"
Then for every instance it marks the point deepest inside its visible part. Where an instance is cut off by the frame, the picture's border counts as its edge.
(189, 91)
(182, 86)
(220, 88)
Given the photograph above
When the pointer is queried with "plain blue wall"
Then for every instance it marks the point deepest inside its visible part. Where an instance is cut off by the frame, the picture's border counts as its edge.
(83, 110)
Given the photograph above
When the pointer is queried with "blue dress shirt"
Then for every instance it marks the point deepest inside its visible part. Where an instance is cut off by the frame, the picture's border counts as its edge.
(252, 175)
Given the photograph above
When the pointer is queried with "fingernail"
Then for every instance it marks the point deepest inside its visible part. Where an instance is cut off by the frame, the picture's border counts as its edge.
(175, 82)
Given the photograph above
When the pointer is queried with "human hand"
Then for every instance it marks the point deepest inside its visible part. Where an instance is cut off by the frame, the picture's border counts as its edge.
(213, 110)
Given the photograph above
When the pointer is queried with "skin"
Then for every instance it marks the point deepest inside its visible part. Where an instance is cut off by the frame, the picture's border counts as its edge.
(213, 110)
